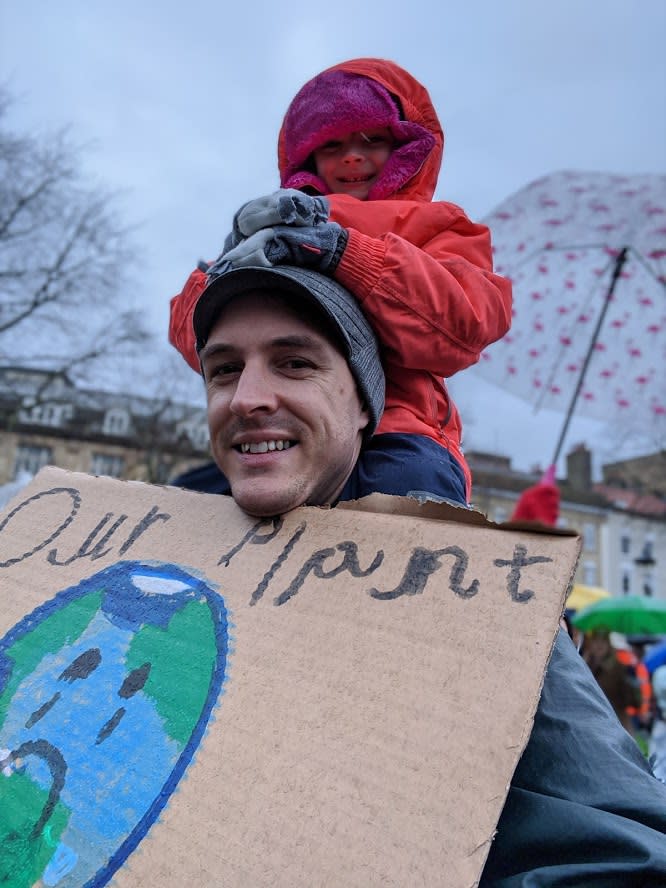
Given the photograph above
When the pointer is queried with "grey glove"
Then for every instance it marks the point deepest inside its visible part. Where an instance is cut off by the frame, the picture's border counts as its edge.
(319, 247)
(284, 207)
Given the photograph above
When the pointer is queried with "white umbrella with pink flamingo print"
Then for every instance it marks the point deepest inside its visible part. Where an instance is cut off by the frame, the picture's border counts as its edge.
(587, 256)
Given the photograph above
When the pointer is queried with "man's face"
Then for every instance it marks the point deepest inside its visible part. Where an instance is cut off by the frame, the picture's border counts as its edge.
(284, 414)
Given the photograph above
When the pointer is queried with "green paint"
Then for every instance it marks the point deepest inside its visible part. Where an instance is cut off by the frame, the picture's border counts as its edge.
(62, 627)
(22, 858)
(182, 659)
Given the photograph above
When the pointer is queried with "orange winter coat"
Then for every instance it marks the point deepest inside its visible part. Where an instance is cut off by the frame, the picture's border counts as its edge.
(422, 272)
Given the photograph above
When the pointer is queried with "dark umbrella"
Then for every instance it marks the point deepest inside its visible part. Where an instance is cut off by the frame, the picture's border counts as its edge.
(586, 253)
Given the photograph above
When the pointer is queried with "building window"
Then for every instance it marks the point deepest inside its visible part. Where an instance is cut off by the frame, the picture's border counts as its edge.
(30, 459)
(107, 464)
(199, 437)
(625, 543)
(590, 573)
(626, 584)
(196, 432)
(644, 564)
(116, 422)
(501, 514)
(589, 537)
(47, 414)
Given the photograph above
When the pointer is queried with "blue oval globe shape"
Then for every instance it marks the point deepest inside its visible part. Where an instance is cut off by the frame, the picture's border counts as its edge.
(105, 694)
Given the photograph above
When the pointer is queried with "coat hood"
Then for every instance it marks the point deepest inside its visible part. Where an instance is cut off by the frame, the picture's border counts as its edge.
(397, 100)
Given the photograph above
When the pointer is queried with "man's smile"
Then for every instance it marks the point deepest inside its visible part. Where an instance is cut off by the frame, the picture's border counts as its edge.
(264, 446)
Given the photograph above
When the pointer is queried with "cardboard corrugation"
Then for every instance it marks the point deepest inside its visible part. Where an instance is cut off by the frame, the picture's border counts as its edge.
(358, 739)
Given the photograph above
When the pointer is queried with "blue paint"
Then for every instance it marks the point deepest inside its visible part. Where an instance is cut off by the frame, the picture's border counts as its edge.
(114, 787)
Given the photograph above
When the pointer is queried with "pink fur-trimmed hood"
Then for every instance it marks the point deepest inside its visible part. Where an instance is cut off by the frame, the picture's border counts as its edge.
(357, 95)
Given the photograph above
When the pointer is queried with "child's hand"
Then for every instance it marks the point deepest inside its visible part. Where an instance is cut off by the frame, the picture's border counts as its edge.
(319, 247)
(284, 207)
(250, 251)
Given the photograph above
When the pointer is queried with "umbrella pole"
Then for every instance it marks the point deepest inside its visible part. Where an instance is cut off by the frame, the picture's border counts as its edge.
(619, 262)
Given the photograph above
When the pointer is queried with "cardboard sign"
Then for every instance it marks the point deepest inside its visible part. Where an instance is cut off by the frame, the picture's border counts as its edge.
(190, 696)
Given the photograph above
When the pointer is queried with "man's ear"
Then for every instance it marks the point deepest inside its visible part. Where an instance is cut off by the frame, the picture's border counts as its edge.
(365, 416)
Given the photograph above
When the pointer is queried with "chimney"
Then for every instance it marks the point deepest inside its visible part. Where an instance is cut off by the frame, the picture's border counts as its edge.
(579, 468)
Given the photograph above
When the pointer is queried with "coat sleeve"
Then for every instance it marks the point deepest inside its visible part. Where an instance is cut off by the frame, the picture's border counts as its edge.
(423, 275)
(181, 332)
(583, 807)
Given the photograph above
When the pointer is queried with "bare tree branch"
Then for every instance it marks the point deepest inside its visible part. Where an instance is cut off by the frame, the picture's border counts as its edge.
(66, 259)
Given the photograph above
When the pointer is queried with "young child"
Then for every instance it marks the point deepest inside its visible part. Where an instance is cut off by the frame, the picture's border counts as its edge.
(365, 134)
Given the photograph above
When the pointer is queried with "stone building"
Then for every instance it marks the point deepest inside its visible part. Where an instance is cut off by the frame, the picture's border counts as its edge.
(48, 420)
(646, 474)
(622, 525)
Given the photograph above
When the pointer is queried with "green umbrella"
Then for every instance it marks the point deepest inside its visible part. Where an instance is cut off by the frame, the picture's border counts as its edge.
(631, 615)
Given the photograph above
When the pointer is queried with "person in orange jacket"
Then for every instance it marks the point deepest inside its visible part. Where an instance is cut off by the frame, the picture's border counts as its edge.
(359, 153)
(641, 715)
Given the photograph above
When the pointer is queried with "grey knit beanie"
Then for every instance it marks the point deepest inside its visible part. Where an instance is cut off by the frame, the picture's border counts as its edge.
(337, 303)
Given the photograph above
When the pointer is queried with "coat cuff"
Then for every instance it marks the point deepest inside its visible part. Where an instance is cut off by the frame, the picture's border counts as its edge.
(361, 264)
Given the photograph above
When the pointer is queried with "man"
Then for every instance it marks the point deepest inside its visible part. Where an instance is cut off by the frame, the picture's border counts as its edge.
(293, 382)
(286, 415)
(390, 463)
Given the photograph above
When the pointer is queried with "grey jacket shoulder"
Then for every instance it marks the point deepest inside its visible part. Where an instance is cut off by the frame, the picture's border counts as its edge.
(583, 807)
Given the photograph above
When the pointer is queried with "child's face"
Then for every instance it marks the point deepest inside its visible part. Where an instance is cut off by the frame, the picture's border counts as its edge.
(351, 164)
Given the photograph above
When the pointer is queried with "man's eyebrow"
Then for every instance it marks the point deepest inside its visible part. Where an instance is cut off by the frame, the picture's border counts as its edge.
(296, 340)
(216, 348)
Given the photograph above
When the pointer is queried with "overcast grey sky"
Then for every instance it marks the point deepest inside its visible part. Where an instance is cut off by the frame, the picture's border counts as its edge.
(182, 103)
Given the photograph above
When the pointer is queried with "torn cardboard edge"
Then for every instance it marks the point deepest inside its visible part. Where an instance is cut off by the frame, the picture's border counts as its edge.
(380, 503)
(445, 511)
(338, 751)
